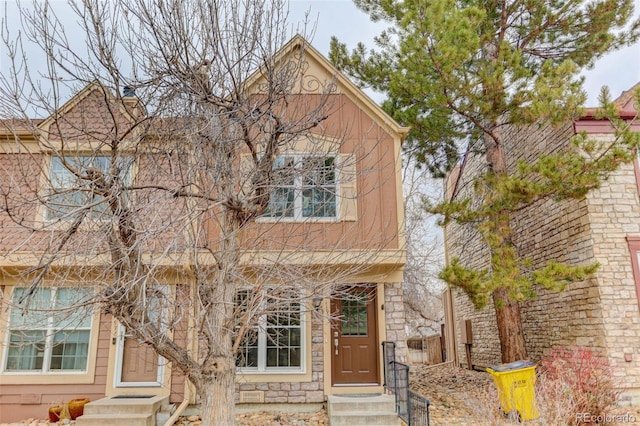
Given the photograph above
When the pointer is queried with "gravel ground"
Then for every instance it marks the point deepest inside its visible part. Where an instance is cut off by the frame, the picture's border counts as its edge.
(269, 418)
(262, 418)
(453, 393)
(463, 397)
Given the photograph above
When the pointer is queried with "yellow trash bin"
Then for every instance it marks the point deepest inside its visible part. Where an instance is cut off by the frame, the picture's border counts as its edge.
(515, 382)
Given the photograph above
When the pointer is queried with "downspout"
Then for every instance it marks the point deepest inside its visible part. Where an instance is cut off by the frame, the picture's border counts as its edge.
(183, 405)
(191, 341)
(450, 322)
(450, 192)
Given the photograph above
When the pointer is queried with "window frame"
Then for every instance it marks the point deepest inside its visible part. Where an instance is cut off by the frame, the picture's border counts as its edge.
(54, 190)
(51, 329)
(633, 243)
(299, 187)
(262, 344)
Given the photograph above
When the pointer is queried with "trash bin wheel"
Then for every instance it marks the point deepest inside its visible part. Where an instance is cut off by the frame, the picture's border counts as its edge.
(515, 416)
(505, 415)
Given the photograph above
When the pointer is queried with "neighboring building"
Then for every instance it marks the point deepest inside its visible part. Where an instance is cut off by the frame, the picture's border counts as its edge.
(601, 313)
(98, 359)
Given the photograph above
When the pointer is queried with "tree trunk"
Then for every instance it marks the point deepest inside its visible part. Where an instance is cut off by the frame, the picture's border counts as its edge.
(509, 321)
(510, 331)
(217, 397)
(217, 387)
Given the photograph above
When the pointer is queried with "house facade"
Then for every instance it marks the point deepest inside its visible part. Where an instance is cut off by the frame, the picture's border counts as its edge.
(354, 233)
(601, 313)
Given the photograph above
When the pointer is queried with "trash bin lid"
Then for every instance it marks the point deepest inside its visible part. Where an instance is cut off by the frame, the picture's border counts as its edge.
(516, 365)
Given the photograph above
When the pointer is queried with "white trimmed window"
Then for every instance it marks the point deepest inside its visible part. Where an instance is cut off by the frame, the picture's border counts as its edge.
(71, 186)
(275, 342)
(48, 336)
(305, 186)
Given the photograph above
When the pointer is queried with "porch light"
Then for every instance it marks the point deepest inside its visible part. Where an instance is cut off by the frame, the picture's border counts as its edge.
(317, 301)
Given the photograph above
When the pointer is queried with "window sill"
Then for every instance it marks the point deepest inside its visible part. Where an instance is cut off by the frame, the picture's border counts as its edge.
(272, 376)
(298, 220)
(38, 378)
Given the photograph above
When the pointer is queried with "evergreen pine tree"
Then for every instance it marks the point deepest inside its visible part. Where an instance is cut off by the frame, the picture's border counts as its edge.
(459, 72)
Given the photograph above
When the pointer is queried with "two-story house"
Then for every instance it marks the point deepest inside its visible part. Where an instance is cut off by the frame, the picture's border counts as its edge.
(345, 221)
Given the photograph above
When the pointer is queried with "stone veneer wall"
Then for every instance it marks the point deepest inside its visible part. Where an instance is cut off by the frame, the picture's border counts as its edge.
(547, 230)
(614, 213)
(395, 319)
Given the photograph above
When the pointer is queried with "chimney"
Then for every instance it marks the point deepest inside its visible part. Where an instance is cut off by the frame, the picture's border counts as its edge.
(128, 92)
(132, 102)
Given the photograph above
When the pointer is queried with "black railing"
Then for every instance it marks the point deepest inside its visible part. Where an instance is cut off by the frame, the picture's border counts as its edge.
(389, 357)
(418, 409)
(411, 407)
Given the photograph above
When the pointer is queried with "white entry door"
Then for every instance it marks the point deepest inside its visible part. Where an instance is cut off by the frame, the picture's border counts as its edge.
(137, 364)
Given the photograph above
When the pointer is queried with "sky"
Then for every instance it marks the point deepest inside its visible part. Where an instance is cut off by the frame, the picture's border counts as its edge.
(619, 70)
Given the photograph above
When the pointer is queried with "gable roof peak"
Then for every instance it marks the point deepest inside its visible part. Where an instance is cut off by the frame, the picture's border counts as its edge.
(625, 100)
(346, 85)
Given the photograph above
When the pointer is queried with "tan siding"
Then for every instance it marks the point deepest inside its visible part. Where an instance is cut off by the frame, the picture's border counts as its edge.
(13, 398)
(180, 337)
(376, 222)
(376, 217)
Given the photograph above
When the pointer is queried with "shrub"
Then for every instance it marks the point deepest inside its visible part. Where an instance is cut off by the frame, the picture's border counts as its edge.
(575, 381)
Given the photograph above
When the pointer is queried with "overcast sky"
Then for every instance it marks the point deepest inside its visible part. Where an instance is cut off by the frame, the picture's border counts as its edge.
(619, 70)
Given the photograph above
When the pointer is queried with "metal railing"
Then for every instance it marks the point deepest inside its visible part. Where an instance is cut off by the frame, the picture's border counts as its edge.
(418, 409)
(412, 407)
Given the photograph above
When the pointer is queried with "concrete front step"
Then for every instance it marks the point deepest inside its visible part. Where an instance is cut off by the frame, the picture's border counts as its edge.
(135, 411)
(116, 420)
(365, 418)
(378, 410)
(165, 412)
(362, 403)
(125, 405)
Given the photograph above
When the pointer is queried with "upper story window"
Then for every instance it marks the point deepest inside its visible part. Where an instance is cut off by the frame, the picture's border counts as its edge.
(304, 187)
(275, 342)
(72, 188)
(49, 336)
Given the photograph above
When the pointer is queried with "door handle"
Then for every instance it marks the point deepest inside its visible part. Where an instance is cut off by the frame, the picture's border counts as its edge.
(335, 342)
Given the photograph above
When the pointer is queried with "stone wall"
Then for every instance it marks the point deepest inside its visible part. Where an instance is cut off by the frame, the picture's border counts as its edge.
(465, 243)
(547, 230)
(614, 214)
(395, 319)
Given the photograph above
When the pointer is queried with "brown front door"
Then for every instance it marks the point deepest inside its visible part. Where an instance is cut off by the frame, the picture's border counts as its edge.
(354, 342)
(139, 363)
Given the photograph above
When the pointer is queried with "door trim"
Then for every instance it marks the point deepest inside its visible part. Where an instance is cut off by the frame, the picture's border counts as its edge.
(117, 379)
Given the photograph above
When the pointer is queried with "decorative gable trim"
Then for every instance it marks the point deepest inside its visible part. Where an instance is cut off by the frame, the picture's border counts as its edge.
(298, 43)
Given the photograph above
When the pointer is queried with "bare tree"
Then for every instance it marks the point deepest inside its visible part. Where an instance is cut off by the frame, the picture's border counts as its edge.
(425, 253)
(168, 167)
